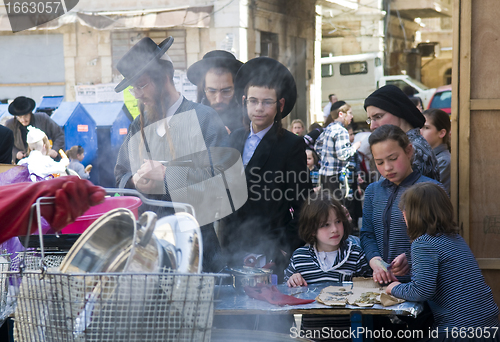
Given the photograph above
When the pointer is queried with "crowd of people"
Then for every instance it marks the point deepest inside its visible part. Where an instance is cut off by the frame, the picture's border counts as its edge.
(295, 205)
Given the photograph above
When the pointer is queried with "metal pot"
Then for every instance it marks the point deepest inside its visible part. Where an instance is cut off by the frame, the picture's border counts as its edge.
(117, 243)
(250, 276)
(183, 232)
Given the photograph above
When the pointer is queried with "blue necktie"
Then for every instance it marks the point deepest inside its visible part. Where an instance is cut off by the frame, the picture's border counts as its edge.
(253, 141)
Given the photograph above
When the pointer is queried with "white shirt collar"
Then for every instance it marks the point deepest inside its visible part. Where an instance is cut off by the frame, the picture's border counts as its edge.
(260, 134)
(160, 128)
(173, 108)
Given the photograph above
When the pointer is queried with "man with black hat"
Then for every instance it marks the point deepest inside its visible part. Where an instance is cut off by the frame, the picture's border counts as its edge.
(174, 148)
(390, 106)
(275, 166)
(22, 109)
(214, 76)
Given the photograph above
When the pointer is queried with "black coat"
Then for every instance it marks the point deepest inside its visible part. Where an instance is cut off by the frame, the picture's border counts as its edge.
(41, 121)
(6, 145)
(278, 184)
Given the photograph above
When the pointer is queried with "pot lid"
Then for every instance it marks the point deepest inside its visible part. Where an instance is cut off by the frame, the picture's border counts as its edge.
(104, 245)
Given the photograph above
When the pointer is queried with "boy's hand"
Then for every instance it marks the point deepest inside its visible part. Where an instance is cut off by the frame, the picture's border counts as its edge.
(296, 280)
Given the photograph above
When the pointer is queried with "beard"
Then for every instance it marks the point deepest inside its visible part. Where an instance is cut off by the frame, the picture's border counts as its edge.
(220, 107)
(154, 110)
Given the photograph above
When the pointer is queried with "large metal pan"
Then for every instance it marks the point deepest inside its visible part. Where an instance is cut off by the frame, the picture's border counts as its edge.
(117, 243)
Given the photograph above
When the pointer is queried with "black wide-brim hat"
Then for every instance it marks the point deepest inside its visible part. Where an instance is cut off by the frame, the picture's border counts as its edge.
(212, 59)
(265, 71)
(139, 58)
(21, 106)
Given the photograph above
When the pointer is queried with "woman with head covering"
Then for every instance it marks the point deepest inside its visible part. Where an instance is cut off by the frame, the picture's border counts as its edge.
(390, 106)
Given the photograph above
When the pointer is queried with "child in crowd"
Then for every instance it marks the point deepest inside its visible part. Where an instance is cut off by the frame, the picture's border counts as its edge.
(383, 234)
(76, 155)
(312, 164)
(436, 131)
(39, 163)
(444, 270)
(328, 256)
(298, 127)
(314, 132)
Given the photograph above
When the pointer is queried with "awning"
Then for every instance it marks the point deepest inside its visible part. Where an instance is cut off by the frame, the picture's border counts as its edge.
(189, 17)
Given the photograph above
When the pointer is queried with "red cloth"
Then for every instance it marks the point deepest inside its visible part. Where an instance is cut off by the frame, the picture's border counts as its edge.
(271, 294)
(73, 196)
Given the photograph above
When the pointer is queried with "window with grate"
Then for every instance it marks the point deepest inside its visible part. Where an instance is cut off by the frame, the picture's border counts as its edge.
(269, 45)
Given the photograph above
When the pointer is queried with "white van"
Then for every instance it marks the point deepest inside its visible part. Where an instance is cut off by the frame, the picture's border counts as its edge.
(352, 78)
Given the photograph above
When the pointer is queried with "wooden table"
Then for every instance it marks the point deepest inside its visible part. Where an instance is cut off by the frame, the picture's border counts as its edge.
(228, 301)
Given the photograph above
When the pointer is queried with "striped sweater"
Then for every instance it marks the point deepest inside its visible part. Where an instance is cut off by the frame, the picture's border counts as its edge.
(384, 230)
(350, 262)
(445, 273)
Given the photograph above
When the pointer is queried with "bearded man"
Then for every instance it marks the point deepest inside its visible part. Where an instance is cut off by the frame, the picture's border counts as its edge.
(214, 75)
(175, 150)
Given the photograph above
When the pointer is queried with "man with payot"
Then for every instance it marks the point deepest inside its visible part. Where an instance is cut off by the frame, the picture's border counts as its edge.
(175, 149)
(214, 75)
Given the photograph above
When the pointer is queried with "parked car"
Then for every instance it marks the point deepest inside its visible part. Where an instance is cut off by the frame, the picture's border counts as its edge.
(442, 99)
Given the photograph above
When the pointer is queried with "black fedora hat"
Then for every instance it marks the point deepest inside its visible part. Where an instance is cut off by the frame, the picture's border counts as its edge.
(267, 71)
(139, 58)
(215, 58)
(21, 106)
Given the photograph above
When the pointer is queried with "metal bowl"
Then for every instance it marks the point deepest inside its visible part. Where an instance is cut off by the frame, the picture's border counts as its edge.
(250, 276)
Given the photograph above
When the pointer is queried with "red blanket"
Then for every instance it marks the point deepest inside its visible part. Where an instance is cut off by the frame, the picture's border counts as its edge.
(271, 294)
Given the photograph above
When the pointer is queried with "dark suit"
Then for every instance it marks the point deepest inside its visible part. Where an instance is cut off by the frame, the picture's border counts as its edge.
(6, 145)
(278, 184)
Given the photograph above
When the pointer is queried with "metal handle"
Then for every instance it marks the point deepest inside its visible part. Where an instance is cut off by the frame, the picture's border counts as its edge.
(148, 225)
(188, 208)
(36, 207)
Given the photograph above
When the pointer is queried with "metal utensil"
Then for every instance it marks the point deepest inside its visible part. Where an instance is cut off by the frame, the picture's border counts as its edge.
(114, 243)
(250, 276)
(183, 233)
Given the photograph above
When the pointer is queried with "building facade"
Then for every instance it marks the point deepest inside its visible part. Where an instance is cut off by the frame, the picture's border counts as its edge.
(83, 46)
